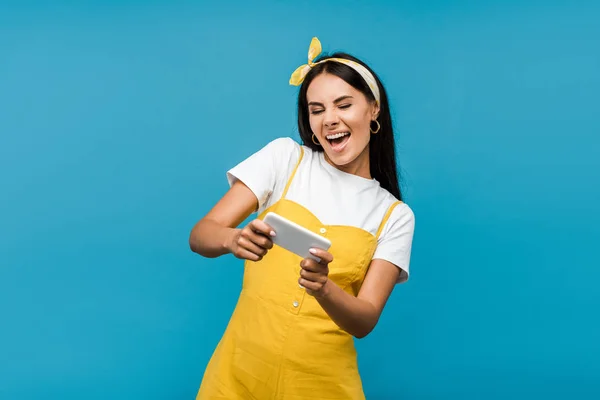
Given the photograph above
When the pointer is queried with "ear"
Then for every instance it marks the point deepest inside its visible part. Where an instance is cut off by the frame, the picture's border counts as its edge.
(374, 111)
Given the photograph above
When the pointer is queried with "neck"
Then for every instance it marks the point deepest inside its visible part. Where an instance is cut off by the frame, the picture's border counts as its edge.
(360, 166)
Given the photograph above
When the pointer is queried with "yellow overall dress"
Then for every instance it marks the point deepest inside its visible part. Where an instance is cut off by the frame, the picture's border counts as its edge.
(280, 344)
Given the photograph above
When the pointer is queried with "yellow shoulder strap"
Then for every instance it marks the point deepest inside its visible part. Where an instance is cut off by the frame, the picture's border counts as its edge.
(287, 186)
(386, 217)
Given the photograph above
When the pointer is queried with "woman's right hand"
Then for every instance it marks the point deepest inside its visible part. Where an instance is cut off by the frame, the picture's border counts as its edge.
(253, 241)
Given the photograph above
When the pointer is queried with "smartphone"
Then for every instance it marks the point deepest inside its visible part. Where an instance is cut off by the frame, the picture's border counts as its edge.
(294, 237)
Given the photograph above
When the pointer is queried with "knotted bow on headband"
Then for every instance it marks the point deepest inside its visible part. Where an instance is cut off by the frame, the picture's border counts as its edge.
(314, 50)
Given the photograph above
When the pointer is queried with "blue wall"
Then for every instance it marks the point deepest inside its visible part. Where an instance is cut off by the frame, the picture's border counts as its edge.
(118, 122)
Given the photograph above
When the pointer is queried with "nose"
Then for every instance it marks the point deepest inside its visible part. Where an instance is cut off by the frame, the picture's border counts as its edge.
(331, 119)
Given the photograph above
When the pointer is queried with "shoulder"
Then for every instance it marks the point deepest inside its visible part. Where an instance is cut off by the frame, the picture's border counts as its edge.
(285, 153)
(394, 243)
(400, 210)
(401, 218)
(284, 146)
(273, 156)
(403, 212)
(267, 169)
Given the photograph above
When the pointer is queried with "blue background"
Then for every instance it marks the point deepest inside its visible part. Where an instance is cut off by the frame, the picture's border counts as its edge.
(118, 121)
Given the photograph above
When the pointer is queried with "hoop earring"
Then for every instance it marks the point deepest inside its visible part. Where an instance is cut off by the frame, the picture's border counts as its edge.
(378, 127)
(315, 141)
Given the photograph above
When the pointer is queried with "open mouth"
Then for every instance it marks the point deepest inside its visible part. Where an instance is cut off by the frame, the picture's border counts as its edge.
(338, 140)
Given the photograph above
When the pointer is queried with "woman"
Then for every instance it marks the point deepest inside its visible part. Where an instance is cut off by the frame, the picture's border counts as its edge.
(291, 334)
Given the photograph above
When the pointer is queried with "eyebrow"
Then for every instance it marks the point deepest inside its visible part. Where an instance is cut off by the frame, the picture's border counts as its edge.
(341, 98)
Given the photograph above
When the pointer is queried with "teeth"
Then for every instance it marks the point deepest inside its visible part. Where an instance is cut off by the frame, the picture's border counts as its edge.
(337, 135)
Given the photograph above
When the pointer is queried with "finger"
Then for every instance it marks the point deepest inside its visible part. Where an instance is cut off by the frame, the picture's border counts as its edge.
(312, 288)
(257, 238)
(325, 256)
(313, 276)
(248, 245)
(248, 255)
(312, 266)
(261, 240)
(260, 226)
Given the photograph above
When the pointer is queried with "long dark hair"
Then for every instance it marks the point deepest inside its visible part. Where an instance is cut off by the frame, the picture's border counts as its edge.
(382, 151)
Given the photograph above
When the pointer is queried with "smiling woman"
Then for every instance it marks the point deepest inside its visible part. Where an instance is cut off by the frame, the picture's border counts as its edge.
(341, 123)
(291, 334)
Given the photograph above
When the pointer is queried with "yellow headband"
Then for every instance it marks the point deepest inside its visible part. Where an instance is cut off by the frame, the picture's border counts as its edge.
(314, 50)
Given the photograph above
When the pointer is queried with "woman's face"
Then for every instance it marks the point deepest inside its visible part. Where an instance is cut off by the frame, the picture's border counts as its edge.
(340, 117)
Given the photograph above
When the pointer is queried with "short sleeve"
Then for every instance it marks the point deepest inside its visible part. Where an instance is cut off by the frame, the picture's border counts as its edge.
(395, 242)
(265, 171)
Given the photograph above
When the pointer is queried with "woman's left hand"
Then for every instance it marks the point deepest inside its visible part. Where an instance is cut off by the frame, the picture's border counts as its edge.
(314, 275)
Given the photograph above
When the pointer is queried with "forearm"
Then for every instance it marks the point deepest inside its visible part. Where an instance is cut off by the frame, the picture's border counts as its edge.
(356, 316)
(211, 239)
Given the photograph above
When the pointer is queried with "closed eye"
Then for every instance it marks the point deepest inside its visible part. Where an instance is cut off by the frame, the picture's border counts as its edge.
(343, 107)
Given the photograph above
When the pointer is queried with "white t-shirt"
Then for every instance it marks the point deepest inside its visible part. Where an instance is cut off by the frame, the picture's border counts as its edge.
(333, 196)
